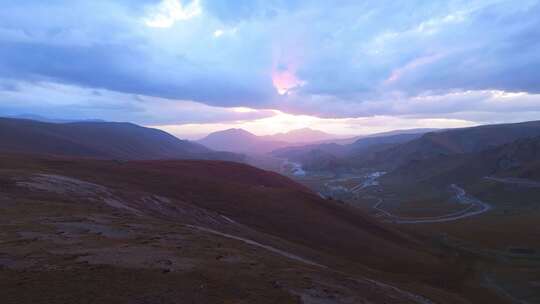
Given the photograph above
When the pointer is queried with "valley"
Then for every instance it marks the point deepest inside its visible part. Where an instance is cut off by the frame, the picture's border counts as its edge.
(339, 226)
(478, 205)
(270, 152)
(499, 235)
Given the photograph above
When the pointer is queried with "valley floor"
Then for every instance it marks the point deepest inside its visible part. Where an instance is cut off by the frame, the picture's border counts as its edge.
(495, 227)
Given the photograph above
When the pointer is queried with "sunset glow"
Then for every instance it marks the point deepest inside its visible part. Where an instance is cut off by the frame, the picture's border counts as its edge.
(197, 66)
(285, 80)
(269, 151)
(283, 122)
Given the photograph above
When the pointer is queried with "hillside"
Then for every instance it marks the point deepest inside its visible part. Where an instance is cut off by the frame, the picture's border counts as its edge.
(206, 231)
(107, 140)
(392, 150)
(454, 142)
(304, 135)
(499, 186)
(330, 156)
(518, 159)
(240, 141)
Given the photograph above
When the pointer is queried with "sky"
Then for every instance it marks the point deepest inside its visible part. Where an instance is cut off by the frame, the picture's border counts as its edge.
(347, 67)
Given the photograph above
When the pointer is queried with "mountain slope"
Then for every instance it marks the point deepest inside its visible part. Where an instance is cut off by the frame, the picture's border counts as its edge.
(331, 156)
(455, 141)
(303, 135)
(518, 159)
(216, 227)
(240, 141)
(99, 140)
(392, 151)
(385, 139)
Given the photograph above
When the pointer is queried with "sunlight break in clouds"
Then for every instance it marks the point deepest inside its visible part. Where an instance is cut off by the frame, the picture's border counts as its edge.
(285, 64)
(218, 33)
(170, 11)
(284, 122)
(284, 81)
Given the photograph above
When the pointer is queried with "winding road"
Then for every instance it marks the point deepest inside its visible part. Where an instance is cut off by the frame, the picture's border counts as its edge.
(475, 207)
(405, 294)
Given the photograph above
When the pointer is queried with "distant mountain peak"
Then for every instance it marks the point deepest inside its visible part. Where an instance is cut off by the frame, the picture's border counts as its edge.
(234, 139)
(302, 130)
(240, 140)
(302, 135)
(230, 134)
(305, 130)
(235, 130)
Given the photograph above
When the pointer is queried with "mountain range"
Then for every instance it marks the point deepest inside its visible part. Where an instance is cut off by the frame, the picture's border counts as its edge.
(108, 140)
(169, 218)
(391, 151)
(517, 155)
(456, 142)
(328, 156)
(242, 141)
(298, 136)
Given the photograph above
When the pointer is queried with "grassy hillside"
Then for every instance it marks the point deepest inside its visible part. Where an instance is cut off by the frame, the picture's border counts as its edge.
(239, 232)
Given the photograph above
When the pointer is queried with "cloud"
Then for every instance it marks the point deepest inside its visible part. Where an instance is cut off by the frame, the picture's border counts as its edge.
(248, 10)
(501, 106)
(170, 11)
(427, 59)
(72, 102)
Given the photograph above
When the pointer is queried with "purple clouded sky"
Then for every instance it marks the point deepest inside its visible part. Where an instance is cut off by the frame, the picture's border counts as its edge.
(347, 67)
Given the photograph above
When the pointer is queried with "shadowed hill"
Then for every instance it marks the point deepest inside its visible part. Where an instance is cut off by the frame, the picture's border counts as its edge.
(389, 152)
(329, 156)
(262, 200)
(455, 141)
(186, 218)
(304, 135)
(520, 159)
(107, 140)
(240, 141)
